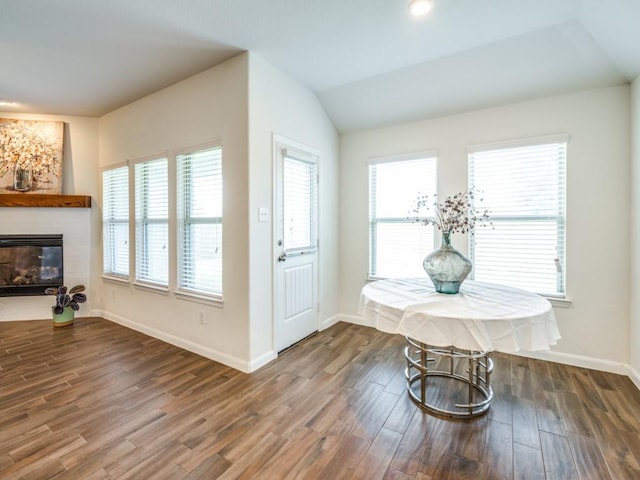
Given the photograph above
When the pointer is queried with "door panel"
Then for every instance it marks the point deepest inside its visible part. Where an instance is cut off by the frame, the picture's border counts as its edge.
(298, 284)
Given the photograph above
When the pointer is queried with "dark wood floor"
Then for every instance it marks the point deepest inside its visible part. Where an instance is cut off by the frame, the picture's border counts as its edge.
(99, 401)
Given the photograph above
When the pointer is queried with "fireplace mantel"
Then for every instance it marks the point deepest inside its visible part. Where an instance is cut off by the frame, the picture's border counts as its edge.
(41, 200)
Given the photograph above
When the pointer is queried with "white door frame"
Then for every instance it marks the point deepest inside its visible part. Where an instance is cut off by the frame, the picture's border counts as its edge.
(278, 144)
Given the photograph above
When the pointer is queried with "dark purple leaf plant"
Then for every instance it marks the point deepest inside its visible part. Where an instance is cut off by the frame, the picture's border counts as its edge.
(67, 298)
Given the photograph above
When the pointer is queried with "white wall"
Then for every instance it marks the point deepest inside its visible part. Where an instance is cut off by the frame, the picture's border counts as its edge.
(280, 105)
(212, 104)
(80, 226)
(243, 101)
(596, 325)
(634, 337)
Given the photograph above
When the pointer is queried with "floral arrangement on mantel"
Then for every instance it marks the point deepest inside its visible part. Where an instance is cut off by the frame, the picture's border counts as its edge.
(31, 146)
(456, 214)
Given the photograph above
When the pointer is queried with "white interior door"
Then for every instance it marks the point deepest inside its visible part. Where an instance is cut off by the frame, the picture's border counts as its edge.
(296, 244)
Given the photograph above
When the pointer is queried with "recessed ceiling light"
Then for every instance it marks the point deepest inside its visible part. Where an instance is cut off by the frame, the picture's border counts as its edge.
(420, 7)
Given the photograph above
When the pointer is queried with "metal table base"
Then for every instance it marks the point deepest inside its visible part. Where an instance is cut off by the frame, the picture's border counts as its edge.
(477, 377)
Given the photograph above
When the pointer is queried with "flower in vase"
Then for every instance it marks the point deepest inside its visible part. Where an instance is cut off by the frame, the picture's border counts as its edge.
(456, 214)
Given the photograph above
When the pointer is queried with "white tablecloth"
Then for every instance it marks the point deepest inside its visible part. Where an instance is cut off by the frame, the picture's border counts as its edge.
(482, 317)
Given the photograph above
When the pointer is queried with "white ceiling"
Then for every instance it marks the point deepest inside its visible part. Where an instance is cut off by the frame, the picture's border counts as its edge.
(369, 61)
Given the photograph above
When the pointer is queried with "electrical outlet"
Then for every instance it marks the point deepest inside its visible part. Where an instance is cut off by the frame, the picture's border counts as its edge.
(202, 319)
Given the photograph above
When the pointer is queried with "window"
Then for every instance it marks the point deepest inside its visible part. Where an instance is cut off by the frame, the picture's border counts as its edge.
(200, 221)
(300, 200)
(115, 221)
(398, 244)
(152, 222)
(523, 186)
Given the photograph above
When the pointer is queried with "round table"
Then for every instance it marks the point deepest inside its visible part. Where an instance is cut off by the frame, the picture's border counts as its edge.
(464, 327)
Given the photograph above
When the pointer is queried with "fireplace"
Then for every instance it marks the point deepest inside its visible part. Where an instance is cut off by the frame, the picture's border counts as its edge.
(29, 264)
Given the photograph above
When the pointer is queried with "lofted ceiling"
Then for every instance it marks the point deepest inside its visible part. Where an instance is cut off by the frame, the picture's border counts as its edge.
(369, 62)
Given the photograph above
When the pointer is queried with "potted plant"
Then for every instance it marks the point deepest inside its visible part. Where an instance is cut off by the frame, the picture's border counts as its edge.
(67, 302)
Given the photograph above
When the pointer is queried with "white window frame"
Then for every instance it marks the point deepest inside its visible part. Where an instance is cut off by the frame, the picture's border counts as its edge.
(142, 221)
(406, 219)
(295, 157)
(559, 217)
(184, 221)
(108, 245)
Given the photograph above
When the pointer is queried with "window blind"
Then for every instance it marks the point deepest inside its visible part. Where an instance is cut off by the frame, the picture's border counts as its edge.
(397, 243)
(152, 229)
(115, 221)
(300, 192)
(523, 186)
(200, 220)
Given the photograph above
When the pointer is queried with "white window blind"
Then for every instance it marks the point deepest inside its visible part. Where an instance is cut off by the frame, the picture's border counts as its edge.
(200, 221)
(523, 186)
(115, 221)
(152, 229)
(398, 244)
(300, 192)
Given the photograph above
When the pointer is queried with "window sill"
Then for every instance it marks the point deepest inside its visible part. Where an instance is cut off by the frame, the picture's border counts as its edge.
(213, 300)
(114, 279)
(559, 302)
(161, 289)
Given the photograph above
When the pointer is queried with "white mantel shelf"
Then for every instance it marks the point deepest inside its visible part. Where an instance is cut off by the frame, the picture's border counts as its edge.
(47, 201)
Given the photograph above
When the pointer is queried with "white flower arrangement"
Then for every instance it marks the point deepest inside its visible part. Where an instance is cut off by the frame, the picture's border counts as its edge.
(456, 214)
(24, 145)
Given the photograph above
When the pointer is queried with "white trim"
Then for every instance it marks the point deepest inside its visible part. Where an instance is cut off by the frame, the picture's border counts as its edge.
(261, 361)
(114, 166)
(151, 287)
(577, 361)
(547, 156)
(116, 279)
(228, 360)
(559, 302)
(306, 156)
(403, 157)
(248, 367)
(355, 319)
(103, 220)
(279, 146)
(633, 374)
(525, 142)
(213, 300)
(329, 322)
(162, 155)
(213, 143)
(548, 355)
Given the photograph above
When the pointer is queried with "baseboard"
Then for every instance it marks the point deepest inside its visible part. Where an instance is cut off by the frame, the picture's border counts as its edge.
(549, 355)
(634, 375)
(328, 322)
(261, 361)
(225, 359)
(355, 319)
(578, 361)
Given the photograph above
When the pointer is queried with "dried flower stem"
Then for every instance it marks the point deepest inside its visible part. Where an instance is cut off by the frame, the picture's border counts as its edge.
(456, 214)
